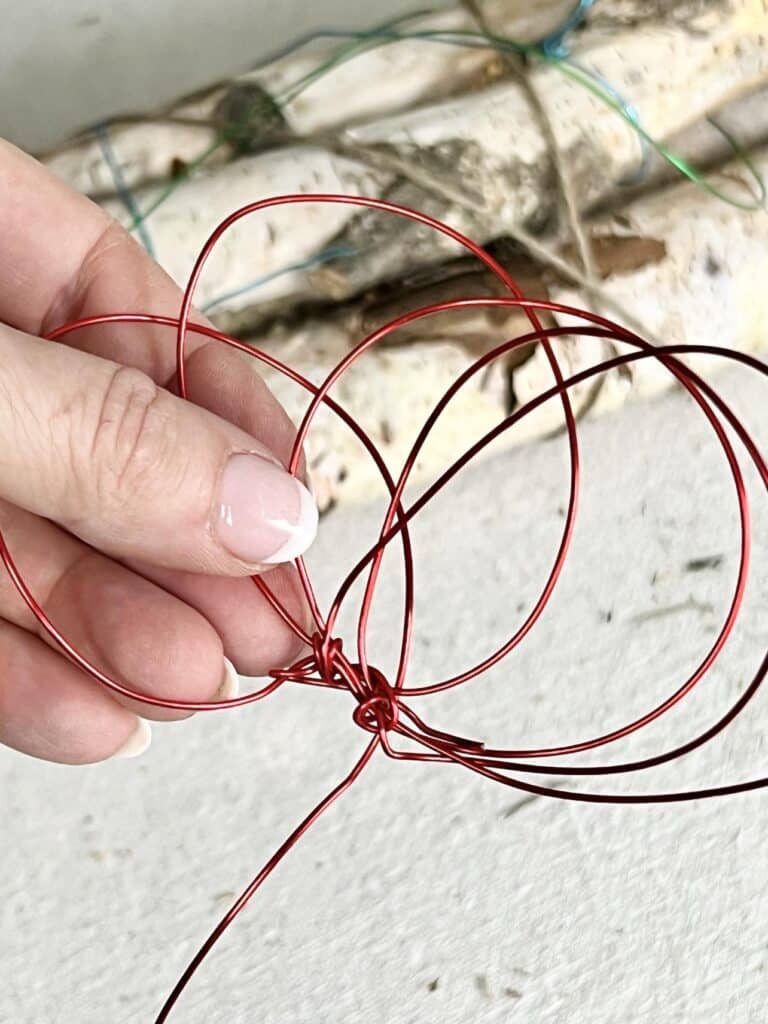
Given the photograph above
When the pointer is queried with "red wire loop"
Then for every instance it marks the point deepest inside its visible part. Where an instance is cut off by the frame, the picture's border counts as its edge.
(383, 709)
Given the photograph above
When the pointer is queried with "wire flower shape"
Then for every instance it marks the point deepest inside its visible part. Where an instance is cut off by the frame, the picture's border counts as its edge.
(382, 707)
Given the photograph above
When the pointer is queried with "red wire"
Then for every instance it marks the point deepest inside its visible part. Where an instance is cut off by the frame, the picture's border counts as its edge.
(380, 706)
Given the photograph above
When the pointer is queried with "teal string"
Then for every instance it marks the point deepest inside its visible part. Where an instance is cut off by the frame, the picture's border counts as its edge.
(556, 44)
(121, 187)
(332, 253)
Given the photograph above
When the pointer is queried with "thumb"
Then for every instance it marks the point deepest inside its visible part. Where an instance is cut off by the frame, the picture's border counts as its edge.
(137, 472)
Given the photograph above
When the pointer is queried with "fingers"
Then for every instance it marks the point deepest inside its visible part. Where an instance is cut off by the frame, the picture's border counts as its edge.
(255, 637)
(101, 268)
(63, 258)
(225, 382)
(137, 472)
(40, 214)
(51, 710)
(133, 630)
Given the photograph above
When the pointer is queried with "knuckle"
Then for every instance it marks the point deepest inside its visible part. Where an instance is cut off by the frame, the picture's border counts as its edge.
(127, 430)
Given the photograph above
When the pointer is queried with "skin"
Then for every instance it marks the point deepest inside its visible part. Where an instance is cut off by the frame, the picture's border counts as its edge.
(121, 562)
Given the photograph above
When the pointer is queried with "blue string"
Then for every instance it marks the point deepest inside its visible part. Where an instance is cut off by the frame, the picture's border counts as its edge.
(334, 252)
(121, 186)
(556, 44)
(630, 112)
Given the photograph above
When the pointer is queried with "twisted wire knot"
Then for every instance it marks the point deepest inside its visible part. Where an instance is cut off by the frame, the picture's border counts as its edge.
(380, 711)
(377, 709)
(327, 652)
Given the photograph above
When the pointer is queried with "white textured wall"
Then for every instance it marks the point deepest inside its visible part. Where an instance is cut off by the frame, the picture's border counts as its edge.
(428, 895)
(67, 63)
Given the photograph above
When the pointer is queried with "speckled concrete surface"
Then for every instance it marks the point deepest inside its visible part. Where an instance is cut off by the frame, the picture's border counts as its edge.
(428, 895)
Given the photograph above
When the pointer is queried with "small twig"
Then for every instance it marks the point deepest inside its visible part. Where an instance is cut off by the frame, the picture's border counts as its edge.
(515, 64)
(691, 604)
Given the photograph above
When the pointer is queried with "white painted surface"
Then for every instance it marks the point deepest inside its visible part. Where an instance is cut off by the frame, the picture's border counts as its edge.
(66, 64)
(559, 914)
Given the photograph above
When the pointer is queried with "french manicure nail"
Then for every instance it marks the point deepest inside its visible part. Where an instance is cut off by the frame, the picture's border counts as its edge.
(230, 686)
(137, 742)
(264, 514)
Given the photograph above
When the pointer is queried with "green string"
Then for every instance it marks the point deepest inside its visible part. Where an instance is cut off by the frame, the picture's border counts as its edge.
(361, 42)
(172, 185)
(680, 163)
(389, 32)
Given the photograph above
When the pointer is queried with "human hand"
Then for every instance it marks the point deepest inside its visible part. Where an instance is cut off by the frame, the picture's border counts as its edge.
(135, 517)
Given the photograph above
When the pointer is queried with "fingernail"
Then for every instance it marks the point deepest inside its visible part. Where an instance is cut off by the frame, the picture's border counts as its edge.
(265, 515)
(230, 686)
(137, 742)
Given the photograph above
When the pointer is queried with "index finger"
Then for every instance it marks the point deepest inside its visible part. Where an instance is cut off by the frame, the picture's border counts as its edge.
(62, 257)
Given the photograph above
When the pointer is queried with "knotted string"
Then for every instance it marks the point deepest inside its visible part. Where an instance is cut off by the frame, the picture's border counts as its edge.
(381, 707)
